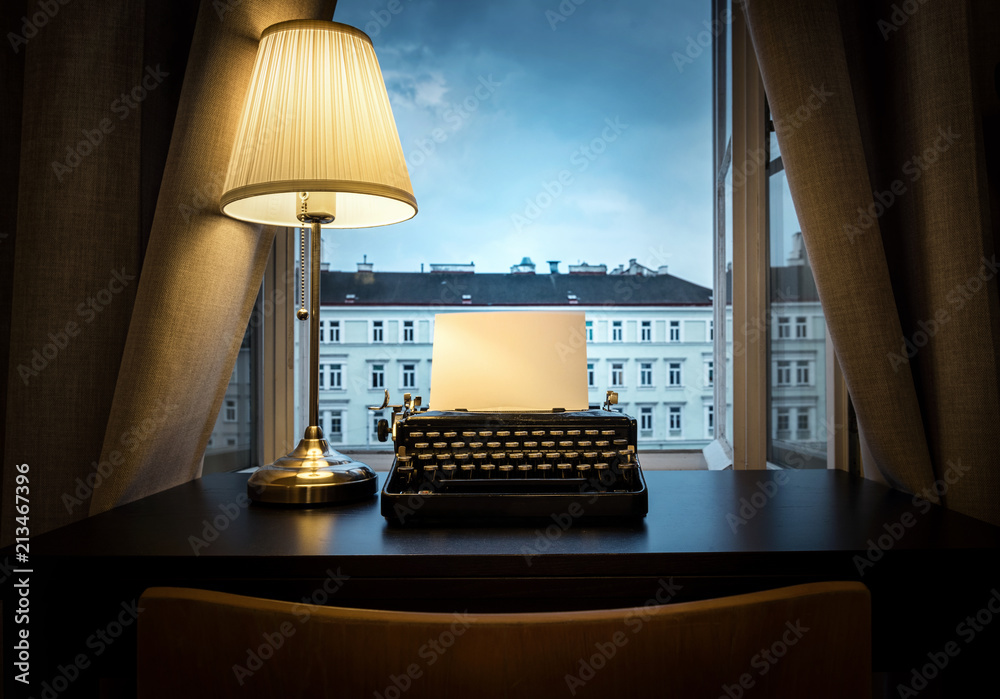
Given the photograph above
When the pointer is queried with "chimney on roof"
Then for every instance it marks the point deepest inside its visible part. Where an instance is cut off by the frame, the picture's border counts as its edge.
(797, 257)
(526, 267)
(661, 270)
(365, 266)
(553, 266)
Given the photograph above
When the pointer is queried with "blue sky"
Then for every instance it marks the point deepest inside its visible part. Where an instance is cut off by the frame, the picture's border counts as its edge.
(530, 130)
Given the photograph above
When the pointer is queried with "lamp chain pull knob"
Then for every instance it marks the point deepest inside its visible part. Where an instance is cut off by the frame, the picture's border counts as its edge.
(303, 312)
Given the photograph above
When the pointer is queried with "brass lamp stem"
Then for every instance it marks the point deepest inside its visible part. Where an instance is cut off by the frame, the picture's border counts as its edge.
(314, 267)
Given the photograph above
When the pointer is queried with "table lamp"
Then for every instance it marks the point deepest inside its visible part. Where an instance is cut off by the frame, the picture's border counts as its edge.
(316, 145)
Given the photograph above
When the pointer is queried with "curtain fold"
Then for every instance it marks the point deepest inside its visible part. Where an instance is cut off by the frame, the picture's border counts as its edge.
(75, 249)
(201, 270)
(894, 179)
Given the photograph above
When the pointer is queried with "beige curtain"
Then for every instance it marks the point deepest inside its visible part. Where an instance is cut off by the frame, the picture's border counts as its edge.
(895, 175)
(120, 351)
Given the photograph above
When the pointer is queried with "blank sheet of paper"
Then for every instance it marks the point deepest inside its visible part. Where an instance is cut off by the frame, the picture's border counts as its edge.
(509, 361)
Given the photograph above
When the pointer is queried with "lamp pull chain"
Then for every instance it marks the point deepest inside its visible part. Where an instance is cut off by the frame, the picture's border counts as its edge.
(303, 312)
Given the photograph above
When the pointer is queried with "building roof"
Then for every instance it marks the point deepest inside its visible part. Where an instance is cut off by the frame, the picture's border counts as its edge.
(457, 289)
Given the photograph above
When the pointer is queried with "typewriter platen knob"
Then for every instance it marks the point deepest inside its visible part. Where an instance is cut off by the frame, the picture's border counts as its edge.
(383, 430)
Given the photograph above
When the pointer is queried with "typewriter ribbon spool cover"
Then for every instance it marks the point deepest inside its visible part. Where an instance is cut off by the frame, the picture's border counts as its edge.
(509, 361)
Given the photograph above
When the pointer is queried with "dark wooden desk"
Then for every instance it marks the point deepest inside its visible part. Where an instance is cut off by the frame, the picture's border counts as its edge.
(711, 533)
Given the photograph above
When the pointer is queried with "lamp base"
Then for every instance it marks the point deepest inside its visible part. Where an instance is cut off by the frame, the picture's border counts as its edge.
(312, 474)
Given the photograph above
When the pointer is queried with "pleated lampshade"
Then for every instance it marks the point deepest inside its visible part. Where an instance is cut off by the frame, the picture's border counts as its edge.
(317, 119)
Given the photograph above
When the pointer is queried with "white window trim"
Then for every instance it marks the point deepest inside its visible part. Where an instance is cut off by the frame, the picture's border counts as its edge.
(620, 328)
(371, 332)
(670, 362)
(651, 334)
(611, 371)
(402, 332)
(652, 374)
(680, 330)
(416, 374)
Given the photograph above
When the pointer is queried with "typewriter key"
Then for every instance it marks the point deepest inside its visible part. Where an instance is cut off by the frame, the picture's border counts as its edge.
(530, 445)
(573, 433)
(584, 443)
(415, 434)
(503, 433)
(602, 443)
(486, 433)
(440, 445)
(552, 456)
(556, 433)
(475, 445)
(450, 435)
(590, 455)
(535, 455)
(448, 470)
(421, 445)
(583, 470)
(512, 445)
(492, 445)
(458, 445)
(431, 435)
(468, 469)
(608, 433)
(566, 443)
(548, 445)
(538, 433)
(524, 470)
(621, 442)
(592, 433)
(520, 433)
(564, 469)
(544, 470)
(468, 434)
(444, 456)
(505, 470)
(571, 455)
(488, 469)
(479, 456)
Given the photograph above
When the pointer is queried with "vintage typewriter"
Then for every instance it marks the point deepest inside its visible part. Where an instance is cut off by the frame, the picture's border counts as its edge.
(503, 465)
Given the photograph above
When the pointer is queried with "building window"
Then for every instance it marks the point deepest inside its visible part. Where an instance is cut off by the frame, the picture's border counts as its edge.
(783, 426)
(801, 327)
(709, 372)
(409, 375)
(322, 375)
(802, 373)
(408, 331)
(617, 374)
(646, 421)
(334, 328)
(590, 375)
(674, 421)
(377, 334)
(322, 331)
(373, 436)
(646, 374)
(378, 375)
(335, 426)
(784, 374)
(336, 376)
(616, 331)
(646, 331)
(784, 328)
(802, 424)
(590, 331)
(710, 421)
(674, 374)
(675, 331)
(711, 331)
(231, 442)
(230, 411)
